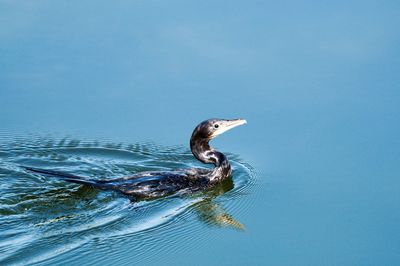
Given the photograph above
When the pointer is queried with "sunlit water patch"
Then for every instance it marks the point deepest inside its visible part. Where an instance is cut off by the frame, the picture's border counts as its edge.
(42, 218)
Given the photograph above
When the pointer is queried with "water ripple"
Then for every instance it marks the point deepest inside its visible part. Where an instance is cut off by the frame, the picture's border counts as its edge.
(43, 218)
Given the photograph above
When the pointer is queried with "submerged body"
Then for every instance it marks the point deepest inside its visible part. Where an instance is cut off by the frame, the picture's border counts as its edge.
(143, 185)
(154, 184)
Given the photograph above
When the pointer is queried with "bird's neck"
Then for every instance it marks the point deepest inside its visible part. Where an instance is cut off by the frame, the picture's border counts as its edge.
(204, 153)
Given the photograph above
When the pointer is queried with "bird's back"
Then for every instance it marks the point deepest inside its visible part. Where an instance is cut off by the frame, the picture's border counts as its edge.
(160, 183)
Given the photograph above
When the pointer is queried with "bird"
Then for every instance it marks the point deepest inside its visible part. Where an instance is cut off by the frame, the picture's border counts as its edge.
(156, 184)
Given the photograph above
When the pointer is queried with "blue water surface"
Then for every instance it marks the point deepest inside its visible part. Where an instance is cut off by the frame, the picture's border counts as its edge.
(105, 88)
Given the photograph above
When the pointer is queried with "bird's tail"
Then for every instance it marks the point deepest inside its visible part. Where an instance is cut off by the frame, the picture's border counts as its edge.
(68, 177)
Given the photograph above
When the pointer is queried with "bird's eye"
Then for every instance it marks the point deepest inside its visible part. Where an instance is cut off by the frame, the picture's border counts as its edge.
(216, 125)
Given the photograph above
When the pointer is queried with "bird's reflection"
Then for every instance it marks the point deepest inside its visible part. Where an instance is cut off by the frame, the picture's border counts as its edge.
(213, 213)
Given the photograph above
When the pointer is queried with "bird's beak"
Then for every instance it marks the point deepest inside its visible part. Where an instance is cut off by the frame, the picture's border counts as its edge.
(226, 125)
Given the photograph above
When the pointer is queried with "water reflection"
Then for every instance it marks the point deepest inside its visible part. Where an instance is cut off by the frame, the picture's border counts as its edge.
(213, 213)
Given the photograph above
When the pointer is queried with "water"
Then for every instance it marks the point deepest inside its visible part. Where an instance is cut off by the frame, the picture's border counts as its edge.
(104, 90)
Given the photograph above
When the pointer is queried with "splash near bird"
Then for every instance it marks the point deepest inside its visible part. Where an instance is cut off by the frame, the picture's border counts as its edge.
(155, 184)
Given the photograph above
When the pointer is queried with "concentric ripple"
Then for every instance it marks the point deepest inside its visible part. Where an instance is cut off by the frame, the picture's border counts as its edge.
(42, 218)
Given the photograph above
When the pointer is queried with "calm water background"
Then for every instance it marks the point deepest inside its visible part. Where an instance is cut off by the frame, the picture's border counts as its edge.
(318, 83)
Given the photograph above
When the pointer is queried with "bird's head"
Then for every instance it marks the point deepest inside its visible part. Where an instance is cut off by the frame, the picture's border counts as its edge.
(211, 128)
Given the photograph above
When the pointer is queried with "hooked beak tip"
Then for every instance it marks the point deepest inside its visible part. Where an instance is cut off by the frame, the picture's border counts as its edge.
(239, 122)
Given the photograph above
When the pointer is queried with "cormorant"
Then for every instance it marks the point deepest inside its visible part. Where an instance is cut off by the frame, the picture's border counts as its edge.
(154, 184)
